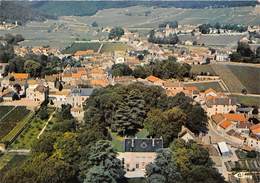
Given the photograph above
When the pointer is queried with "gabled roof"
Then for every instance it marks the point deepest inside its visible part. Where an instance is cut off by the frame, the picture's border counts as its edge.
(143, 144)
(225, 124)
(236, 117)
(21, 76)
(255, 129)
(220, 101)
(82, 91)
(153, 79)
(217, 118)
(76, 75)
(99, 82)
(173, 84)
(209, 91)
(83, 53)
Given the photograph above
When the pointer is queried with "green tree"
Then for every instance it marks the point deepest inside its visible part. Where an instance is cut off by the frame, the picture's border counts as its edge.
(46, 143)
(64, 112)
(43, 113)
(165, 124)
(102, 154)
(94, 24)
(130, 115)
(121, 70)
(116, 33)
(98, 174)
(163, 169)
(33, 68)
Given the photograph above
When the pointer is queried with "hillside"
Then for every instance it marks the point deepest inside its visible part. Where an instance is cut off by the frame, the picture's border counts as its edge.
(11, 11)
(87, 8)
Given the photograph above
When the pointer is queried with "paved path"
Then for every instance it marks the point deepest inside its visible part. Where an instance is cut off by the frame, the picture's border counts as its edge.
(46, 124)
(19, 151)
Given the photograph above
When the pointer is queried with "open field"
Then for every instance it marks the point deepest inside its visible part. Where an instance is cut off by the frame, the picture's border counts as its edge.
(11, 120)
(236, 77)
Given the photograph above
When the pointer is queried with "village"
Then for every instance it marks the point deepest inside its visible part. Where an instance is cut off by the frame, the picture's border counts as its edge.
(233, 128)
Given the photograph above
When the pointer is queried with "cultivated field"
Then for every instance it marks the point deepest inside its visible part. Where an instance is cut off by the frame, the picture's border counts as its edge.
(82, 46)
(12, 119)
(106, 47)
(236, 77)
(64, 31)
(110, 47)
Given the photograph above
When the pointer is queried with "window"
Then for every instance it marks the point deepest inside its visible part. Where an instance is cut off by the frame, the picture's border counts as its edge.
(137, 166)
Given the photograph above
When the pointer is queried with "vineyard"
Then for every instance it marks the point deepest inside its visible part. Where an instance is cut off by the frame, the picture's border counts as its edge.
(9, 121)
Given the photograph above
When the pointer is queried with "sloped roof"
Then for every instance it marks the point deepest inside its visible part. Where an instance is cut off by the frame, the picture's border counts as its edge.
(255, 129)
(142, 144)
(225, 124)
(83, 53)
(236, 117)
(209, 91)
(21, 75)
(217, 118)
(153, 79)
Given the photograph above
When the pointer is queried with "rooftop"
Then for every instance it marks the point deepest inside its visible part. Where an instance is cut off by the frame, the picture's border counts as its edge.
(142, 145)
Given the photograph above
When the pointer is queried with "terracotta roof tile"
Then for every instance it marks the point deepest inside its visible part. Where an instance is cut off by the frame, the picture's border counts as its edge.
(225, 124)
(21, 75)
(83, 53)
(153, 79)
(236, 117)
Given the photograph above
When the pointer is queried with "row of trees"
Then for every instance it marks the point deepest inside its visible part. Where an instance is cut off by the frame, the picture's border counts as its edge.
(171, 39)
(172, 24)
(68, 153)
(205, 28)
(245, 54)
(166, 69)
(127, 109)
(183, 162)
(35, 65)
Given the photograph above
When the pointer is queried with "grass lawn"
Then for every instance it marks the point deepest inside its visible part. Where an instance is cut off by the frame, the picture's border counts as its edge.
(117, 142)
(204, 86)
(11, 161)
(247, 100)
